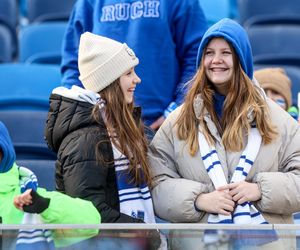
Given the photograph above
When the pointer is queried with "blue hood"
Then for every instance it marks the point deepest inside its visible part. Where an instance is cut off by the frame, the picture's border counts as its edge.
(236, 35)
(8, 151)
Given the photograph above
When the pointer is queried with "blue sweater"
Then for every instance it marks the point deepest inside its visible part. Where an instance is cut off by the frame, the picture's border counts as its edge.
(219, 103)
(164, 34)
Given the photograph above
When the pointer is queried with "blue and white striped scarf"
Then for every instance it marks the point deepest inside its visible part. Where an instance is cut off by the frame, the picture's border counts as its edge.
(245, 213)
(135, 200)
(32, 238)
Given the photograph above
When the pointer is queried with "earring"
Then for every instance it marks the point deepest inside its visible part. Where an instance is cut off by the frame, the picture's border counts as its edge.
(101, 103)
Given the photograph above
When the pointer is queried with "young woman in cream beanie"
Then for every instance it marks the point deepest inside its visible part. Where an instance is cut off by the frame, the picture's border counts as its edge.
(98, 136)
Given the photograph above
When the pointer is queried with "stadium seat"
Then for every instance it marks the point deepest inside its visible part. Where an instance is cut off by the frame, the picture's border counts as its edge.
(251, 11)
(44, 171)
(27, 86)
(297, 221)
(41, 42)
(6, 41)
(234, 12)
(9, 18)
(22, 8)
(49, 10)
(294, 74)
(9, 13)
(26, 129)
(214, 14)
(276, 43)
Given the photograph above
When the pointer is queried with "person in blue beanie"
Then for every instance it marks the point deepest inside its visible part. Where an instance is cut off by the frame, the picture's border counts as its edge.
(229, 154)
(7, 151)
(164, 34)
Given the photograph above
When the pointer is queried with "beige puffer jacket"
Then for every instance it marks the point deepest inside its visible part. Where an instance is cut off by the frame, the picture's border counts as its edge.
(180, 178)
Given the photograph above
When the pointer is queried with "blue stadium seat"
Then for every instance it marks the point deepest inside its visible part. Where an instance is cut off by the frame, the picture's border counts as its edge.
(234, 12)
(26, 129)
(27, 86)
(44, 171)
(277, 43)
(214, 14)
(6, 42)
(259, 10)
(297, 221)
(23, 8)
(294, 74)
(49, 10)
(9, 18)
(9, 13)
(41, 42)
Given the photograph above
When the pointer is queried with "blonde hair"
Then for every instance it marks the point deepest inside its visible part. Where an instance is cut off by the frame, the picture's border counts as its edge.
(242, 98)
(130, 138)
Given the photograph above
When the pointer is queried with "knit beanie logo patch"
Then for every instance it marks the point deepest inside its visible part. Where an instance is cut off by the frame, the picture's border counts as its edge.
(130, 53)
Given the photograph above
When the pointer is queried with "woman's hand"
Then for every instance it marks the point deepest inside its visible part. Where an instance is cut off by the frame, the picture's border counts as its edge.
(243, 191)
(23, 199)
(219, 202)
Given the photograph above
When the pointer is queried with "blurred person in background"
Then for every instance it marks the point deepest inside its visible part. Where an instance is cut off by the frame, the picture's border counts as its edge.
(277, 86)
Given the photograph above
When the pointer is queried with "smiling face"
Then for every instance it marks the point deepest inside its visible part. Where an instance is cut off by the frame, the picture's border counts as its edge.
(218, 64)
(128, 82)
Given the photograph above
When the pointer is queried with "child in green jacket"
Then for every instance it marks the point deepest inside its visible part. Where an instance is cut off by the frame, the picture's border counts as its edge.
(53, 207)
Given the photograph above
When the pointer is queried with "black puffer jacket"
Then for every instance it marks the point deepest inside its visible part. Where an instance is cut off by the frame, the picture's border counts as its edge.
(72, 133)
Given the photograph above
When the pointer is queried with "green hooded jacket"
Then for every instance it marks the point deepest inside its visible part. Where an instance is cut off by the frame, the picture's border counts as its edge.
(62, 209)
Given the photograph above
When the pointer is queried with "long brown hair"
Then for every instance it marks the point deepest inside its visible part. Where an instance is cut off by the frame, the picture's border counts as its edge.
(130, 139)
(242, 96)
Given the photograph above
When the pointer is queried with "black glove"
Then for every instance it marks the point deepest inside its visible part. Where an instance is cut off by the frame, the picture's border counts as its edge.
(153, 239)
(39, 204)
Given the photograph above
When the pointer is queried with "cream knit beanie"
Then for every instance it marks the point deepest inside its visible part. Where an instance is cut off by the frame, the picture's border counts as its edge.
(275, 79)
(101, 61)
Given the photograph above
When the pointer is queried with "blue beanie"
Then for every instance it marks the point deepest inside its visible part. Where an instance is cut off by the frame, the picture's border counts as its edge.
(234, 34)
(7, 148)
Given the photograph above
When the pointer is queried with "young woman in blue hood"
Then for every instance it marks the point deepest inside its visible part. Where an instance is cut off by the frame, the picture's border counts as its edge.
(228, 154)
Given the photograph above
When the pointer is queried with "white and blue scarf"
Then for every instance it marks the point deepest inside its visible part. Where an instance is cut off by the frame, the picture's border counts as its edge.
(135, 199)
(32, 238)
(245, 213)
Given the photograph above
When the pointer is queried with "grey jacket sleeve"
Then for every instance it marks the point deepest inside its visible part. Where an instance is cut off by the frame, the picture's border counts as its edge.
(173, 195)
(281, 190)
